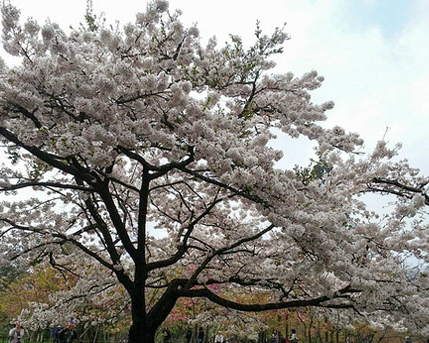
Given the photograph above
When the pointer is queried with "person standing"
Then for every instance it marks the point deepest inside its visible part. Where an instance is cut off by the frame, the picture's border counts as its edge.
(68, 334)
(219, 338)
(200, 337)
(294, 337)
(188, 334)
(56, 334)
(18, 334)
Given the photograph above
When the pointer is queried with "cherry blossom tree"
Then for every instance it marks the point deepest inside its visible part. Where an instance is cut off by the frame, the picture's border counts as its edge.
(142, 151)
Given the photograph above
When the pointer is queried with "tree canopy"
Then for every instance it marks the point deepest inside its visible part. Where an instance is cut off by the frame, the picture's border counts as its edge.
(139, 157)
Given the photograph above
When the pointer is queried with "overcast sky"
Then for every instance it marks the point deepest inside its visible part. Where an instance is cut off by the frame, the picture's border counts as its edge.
(374, 55)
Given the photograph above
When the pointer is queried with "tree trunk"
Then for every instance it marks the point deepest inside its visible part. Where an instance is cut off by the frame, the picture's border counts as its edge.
(140, 333)
(286, 325)
(145, 325)
(96, 334)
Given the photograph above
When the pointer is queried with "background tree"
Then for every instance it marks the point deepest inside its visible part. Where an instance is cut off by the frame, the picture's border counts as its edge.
(150, 154)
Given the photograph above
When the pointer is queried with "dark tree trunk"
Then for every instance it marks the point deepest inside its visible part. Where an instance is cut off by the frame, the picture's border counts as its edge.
(145, 325)
(287, 325)
(139, 333)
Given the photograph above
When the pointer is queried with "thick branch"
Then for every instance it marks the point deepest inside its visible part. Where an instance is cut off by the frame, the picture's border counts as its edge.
(118, 223)
(46, 184)
(401, 188)
(141, 225)
(48, 158)
(28, 114)
(318, 301)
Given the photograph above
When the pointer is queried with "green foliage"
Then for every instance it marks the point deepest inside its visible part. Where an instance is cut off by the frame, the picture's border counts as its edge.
(23, 288)
(7, 275)
(317, 170)
(93, 23)
(37, 168)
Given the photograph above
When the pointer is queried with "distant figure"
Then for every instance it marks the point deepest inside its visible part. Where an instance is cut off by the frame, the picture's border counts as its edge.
(18, 334)
(56, 334)
(200, 337)
(219, 338)
(68, 334)
(408, 340)
(188, 335)
(166, 335)
(293, 337)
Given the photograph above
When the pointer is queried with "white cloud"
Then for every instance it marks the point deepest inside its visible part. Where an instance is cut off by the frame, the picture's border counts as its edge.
(375, 81)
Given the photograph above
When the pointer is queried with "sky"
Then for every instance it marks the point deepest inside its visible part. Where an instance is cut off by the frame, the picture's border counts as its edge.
(374, 55)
